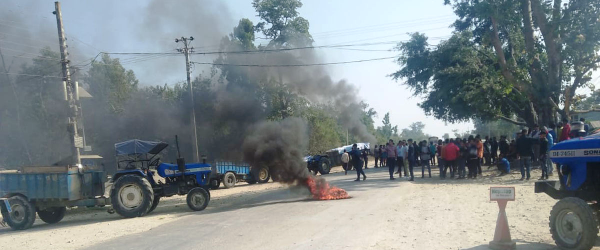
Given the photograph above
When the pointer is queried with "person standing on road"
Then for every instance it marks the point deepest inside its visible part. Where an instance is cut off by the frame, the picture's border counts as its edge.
(399, 159)
(566, 130)
(473, 159)
(365, 155)
(503, 146)
(432, 149)
(411, 155)
(345, 160)
(552, 132)
(462, 157)
(479, 153)
(357, 162)
(524, 153)
(404, 155)
(383, 156)
(586, 127)
(494, 150)
(425, 155)
(487, 151)
(376, 155)
(543, 154)
(391, 157)
(440, 155)
(550, 139)
(451, 154)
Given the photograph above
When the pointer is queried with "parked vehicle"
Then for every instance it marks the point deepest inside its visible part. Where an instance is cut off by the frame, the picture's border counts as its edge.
(229, 173)
(573, 220)
(133, 191)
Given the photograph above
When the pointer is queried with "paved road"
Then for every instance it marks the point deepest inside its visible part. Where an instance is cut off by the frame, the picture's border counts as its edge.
(381, 214)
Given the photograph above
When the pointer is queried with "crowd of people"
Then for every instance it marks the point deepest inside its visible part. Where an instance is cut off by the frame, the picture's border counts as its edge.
(463, 158)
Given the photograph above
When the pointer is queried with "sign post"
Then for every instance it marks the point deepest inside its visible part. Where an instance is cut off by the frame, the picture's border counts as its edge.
(502, 238)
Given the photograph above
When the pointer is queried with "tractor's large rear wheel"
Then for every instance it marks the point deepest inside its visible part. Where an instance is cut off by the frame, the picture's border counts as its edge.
(22, 214)
(132, 196)
(324, 166)
(229, 180)
(573, 224)
(52, 215)
(198, 198)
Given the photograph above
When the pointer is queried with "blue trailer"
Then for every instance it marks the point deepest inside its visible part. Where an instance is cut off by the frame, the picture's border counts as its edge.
(48, 191)
(574, 218)
(229, 173)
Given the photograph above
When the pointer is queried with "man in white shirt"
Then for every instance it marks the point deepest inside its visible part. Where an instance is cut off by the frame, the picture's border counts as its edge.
(404, 153)
(345, 160)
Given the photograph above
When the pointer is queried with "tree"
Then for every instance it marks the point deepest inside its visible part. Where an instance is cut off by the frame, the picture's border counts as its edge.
(415, 132)
(323, 130)
(109, 82)
(585, 102)
(282, 23)
(496, 65)
(387, 130)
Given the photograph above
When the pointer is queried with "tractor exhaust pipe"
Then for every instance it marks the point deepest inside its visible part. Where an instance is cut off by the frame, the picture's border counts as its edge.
(180, 160)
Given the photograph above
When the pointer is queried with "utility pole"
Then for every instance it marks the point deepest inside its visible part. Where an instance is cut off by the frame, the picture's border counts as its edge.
(186, 51)
(69, 87)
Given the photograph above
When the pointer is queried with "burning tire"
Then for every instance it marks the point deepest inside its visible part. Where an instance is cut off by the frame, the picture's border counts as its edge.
(132, 196)
(52, 215)
(197, 199)
(573, 224)
(229, 180)
(324, 166)
(22, 214)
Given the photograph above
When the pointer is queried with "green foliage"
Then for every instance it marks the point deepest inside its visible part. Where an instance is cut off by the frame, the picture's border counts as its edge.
(323, 130)
(111, 83)
(282, 23)
(387, 130)
(507, 58)
(415, 132)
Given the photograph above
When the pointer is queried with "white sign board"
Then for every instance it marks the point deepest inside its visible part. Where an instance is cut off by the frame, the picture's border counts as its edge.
(502, 193)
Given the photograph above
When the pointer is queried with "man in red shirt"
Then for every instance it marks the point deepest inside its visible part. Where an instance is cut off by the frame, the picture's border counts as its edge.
(566, 130)
(450, 155)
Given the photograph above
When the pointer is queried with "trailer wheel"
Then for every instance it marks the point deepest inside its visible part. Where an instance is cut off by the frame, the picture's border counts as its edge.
(154, 204)
(229, 180)
(214, 183)
(132, 196)
(324, 166)
(197, 199)
(573, 224)
(22, 213)
(263, 175)
(52, 215)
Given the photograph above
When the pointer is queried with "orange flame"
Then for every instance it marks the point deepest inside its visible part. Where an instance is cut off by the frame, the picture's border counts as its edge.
(321, 190)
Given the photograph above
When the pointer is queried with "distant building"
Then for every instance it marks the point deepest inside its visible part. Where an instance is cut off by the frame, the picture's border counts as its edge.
(589, 115)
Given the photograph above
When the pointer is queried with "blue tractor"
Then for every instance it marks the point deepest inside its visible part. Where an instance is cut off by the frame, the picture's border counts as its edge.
(133, 191)
(318, 164)
(136, 191)
(574, 218)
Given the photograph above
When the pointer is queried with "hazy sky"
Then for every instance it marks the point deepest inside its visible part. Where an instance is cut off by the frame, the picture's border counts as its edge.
(152, 26)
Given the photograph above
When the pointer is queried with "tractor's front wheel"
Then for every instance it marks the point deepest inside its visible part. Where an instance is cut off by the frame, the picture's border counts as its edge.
(229, 180)
(22, 214)
(198, 198)
(52, 215)
(573, 224)
(132, 196)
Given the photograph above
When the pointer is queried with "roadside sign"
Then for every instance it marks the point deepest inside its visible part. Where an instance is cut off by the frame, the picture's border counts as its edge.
(502, 193)
(502, 239)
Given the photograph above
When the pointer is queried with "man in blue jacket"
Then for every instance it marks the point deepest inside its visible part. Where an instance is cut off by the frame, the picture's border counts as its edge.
(356, 155)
